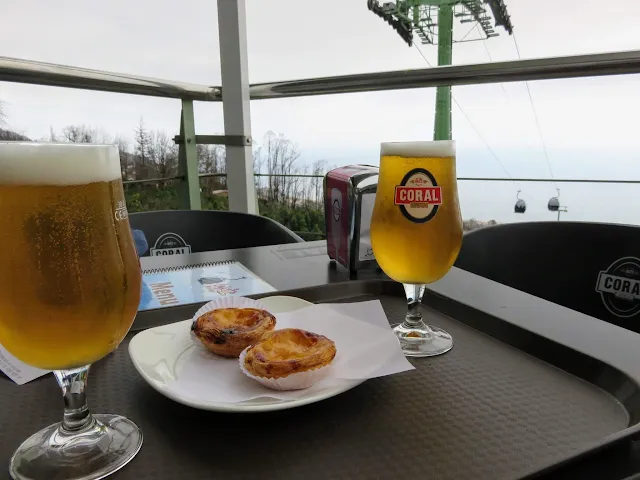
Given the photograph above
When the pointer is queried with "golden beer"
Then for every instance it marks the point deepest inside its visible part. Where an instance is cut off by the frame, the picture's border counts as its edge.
(410, 247)
(416, 231)
(69, 275)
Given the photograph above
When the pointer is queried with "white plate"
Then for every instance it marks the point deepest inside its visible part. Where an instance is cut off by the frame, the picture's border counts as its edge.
(158, 361)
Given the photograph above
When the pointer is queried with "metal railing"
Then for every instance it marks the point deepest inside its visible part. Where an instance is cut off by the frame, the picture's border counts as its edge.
(460, 179)
(40, 73)
(24, 71)
(617, 63)
(51, 74)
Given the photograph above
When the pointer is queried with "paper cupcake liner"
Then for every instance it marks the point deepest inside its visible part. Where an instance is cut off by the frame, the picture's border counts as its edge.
(295, 381)
(228, 302)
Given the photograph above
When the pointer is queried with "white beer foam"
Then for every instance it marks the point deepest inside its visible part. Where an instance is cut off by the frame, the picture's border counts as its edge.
(33, 163)
(440, 148)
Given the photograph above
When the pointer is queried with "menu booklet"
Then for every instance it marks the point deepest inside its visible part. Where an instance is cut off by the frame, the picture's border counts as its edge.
(189, 284)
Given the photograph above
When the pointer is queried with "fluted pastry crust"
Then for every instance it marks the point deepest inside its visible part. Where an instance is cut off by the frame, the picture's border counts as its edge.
(287, 351)
(228, 331)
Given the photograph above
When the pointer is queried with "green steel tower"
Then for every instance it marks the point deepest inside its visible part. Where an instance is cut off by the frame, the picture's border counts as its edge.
(432, 21)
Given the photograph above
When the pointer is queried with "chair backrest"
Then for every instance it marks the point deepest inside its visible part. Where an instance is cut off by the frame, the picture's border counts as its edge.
(171, 232)
(593, 268)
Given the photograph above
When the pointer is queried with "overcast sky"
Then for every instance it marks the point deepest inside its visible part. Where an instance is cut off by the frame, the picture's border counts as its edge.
(589, 125)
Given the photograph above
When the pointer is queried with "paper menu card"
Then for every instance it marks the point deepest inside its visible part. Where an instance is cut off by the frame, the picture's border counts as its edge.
(189, 284)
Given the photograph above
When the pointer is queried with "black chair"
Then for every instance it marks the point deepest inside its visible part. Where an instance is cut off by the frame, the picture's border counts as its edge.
(172, 232)
(593, 268)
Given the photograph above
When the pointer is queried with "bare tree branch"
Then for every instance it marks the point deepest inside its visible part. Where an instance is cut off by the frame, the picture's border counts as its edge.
(142, 144)
(126, 157)
(80, 134)
(163, 154)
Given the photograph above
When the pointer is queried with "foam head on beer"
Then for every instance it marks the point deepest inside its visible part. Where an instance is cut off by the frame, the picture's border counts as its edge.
(70, 278)
(441, 148)
(33, 163)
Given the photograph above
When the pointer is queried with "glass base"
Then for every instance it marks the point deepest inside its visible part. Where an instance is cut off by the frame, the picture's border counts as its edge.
(427, 342)
(108, 444)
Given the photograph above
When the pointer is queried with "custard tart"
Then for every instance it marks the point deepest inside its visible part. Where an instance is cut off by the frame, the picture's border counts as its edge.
(288, 351)
(228, 331)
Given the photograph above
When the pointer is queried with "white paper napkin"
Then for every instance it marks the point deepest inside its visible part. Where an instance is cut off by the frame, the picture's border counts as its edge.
(16, 370)
(366, 348)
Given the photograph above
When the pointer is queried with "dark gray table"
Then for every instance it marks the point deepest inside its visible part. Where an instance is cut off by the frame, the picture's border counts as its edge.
(294, 265)
(306, 265)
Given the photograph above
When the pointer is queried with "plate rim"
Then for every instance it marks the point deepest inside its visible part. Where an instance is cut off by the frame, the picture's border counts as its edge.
(238, 407)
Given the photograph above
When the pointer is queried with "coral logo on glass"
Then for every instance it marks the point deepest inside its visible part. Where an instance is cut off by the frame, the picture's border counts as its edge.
(418, 196)
(121, 211)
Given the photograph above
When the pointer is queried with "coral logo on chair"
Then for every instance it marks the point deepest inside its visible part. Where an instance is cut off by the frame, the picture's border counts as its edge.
(170, 244)
(619, 287)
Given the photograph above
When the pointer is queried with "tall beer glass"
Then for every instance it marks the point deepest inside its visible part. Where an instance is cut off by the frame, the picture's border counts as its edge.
(416, 230)
(69, 289)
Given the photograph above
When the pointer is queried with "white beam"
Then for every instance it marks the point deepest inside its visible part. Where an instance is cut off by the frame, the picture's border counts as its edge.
(232, 30)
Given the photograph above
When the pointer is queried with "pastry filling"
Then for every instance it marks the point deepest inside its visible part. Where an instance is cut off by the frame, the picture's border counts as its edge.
(288, 345)
(237, 318)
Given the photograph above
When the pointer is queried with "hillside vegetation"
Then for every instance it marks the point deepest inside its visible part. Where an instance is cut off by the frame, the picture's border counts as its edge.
(295, 202)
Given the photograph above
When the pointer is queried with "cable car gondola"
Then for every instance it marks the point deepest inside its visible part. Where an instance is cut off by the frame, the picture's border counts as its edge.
(521, 205)
(554, 204)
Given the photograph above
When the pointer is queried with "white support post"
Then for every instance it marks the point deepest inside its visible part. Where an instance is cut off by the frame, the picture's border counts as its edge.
(234, 64)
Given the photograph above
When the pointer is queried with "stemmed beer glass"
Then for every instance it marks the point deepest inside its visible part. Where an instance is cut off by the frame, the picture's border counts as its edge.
(70, 285)
(416, 231)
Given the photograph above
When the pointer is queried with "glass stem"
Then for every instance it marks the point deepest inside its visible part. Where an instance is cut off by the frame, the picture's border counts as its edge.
(414, 303)
(73, 383)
